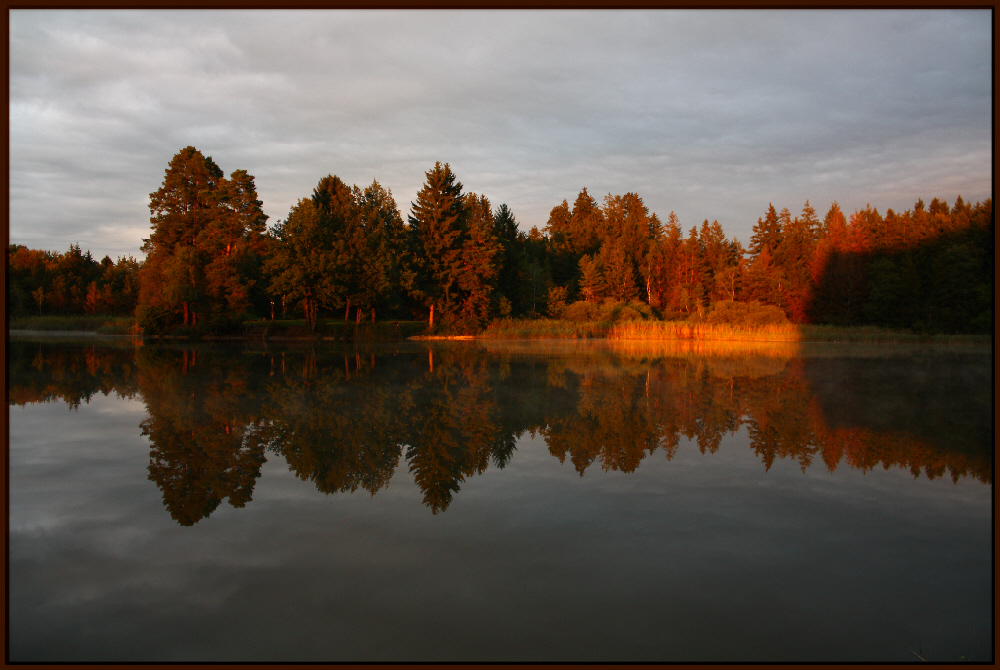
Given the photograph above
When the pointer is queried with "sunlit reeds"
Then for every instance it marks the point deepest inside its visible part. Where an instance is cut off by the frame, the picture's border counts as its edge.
(681, 330)
(535, 329)
(541, 329)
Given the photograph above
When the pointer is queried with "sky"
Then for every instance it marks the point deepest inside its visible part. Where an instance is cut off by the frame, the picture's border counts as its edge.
(709, 114)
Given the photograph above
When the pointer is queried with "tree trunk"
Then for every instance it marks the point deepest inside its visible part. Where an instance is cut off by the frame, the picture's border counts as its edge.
(432, 316)
(347, 312)
(373, 315)
(185, 313)
(357, 316)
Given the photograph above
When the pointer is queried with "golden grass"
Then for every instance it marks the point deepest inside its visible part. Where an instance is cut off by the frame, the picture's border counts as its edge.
(544, 329)
(681, 330)
(704, 332)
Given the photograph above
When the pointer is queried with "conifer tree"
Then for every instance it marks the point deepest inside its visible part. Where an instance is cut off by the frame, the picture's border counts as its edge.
(303, 263)
(766, 232)
(593, 287)
(384, 238)
(451, 252)
(204, 250)
(512, 261)
(587, 224)
(619, 271)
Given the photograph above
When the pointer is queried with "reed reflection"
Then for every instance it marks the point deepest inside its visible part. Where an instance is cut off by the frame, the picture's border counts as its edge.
(343, 420)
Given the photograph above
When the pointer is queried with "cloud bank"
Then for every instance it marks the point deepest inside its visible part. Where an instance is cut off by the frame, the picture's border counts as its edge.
(711, 114)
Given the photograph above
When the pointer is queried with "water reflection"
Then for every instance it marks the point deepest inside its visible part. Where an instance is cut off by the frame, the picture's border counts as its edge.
(343, 419)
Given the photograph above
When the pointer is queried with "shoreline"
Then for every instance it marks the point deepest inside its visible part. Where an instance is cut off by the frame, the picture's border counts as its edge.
(973, 340)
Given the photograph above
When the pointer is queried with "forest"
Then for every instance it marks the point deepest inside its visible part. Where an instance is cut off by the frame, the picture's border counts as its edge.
(459, 263)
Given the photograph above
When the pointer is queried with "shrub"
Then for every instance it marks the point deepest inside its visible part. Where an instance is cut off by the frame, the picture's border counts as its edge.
(152, 320)
(580, 310)
(557, 301)
(745, 314)
(613, 311)
(628, 313)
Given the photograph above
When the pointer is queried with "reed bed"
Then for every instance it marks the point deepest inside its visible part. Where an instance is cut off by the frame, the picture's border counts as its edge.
(544, 329)
(636, 330)
(706, 332)
(778, 349)
(682, 330)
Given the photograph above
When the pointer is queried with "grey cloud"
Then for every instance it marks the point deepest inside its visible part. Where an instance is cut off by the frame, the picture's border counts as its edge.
(711, 114)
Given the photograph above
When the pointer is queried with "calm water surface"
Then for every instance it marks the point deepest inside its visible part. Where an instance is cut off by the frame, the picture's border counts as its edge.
(499, 502)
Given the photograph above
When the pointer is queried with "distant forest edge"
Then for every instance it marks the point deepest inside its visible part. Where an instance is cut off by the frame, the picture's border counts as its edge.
(462, 265)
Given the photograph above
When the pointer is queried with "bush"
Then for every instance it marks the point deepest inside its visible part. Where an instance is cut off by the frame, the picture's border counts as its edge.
(152, 320)
(557, 301)
(580, 311)
(614, 312)
(628, 313)
(745, 314)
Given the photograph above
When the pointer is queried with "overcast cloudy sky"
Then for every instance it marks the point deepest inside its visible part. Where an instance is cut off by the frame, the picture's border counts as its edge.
(711, 114)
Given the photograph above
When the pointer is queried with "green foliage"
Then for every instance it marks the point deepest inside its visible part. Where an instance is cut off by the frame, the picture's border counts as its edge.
(152, 319)
(338, 249)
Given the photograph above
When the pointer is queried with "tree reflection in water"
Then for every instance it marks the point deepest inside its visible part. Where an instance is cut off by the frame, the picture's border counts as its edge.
(343, 419)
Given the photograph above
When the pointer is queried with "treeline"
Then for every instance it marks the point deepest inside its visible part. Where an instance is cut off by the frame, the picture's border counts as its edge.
(929, 269)
(347, 420)
(459, 262)
(342, 250)
(74, 282)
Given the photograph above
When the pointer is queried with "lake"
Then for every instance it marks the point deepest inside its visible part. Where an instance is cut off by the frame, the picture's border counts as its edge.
(499, 501)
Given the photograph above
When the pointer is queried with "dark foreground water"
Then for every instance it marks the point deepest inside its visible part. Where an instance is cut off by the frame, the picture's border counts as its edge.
(499, 502)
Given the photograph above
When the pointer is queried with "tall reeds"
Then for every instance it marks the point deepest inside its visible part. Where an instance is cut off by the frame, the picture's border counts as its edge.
(682, 330)
(692, 331)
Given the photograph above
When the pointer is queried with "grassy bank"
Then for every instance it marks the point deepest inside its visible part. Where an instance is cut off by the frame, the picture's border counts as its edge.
(105, 325)
(509, 329)
(297, 329)
(683, 330)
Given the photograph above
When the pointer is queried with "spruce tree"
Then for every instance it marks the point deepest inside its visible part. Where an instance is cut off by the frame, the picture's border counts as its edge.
(452, 248)
(593, 287)
(204, 251)
(766, 233)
